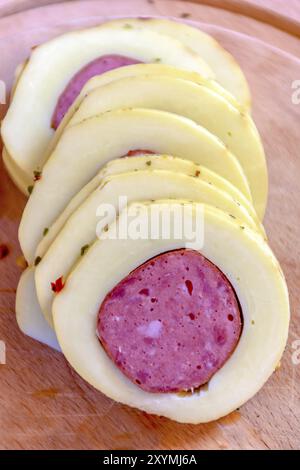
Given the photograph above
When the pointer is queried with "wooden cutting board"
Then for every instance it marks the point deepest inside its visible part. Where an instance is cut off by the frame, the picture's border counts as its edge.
(44, 404)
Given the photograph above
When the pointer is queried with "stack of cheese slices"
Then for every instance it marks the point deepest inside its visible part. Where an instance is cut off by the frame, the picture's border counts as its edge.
(159, 112)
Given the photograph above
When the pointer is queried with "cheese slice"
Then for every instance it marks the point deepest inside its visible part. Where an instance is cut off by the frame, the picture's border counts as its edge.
(84, 149)
(199, 103)
(144, 162)
(247, 262)
(23, 180)
(26, 128)
(28, 312)
(82, 228)
(135, 71)
(227, 71)
(19, 177)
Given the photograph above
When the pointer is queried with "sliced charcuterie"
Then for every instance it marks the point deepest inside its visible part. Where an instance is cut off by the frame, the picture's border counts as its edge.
(226, 70)
(198, 103)
(74, 87)
(143, 162)
(84, 149)
(140, 185)
(60, 59)
(148, 265)
(177, 305)
(24, 180)
(138, 70)
(247, 263)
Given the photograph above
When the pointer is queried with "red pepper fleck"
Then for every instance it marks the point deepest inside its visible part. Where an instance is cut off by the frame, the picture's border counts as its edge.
(189, 286)
(4, 251)
(58, 285)
(37, 175)
(144, 292)
(137, 152)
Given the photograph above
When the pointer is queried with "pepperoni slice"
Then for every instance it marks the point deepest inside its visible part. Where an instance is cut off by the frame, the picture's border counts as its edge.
(172, 323)
(139, 152)
(96, 67)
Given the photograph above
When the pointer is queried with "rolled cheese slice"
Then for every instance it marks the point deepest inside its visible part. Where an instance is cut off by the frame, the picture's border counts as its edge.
(135, 71)
(26, 129)
(143, 162)
(198, 103)
(28, 312)
(251, 268)
(84, 148)
(83, 227)
(227, 71)
(24, 181)
(19, 177)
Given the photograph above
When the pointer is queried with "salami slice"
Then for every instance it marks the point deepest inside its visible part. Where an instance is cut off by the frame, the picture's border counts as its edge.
(75, 85)
(171, 323)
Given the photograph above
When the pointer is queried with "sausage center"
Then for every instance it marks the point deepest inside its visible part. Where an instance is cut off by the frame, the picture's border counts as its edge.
(72, 90)
(172, 323)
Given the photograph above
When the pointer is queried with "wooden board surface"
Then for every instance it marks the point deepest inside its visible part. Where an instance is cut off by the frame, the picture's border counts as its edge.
(278, 10)
(44, 404)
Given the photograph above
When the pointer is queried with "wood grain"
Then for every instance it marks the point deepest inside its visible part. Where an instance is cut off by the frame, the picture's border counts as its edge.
(259, 9)
(44, 404)
(278, 13)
